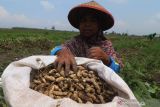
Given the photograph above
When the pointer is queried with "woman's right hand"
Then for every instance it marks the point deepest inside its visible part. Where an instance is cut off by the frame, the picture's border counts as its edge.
(65, 59)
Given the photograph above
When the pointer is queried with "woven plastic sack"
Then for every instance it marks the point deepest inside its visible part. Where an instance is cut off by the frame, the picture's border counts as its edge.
(16, 82)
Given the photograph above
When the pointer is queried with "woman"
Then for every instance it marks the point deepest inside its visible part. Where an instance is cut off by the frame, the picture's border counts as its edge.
(91, 19)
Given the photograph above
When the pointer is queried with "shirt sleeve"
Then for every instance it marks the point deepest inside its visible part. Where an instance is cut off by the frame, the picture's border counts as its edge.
(116, 61)
(55, 50)
(114, 65)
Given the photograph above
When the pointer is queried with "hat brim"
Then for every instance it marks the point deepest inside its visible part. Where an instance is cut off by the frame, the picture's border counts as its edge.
(107, 20)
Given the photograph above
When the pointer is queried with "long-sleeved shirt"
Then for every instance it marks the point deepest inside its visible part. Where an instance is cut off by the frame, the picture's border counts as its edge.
(79, 47)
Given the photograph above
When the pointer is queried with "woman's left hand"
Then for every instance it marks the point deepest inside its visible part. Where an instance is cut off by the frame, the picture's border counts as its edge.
(98, 53)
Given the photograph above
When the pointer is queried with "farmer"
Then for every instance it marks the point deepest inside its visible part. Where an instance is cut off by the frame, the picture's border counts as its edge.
(91, 19)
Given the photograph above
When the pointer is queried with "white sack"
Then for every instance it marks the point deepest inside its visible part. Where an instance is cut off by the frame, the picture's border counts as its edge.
(16, 82)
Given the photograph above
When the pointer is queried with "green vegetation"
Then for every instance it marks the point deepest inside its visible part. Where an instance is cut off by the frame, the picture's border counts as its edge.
(139, 54)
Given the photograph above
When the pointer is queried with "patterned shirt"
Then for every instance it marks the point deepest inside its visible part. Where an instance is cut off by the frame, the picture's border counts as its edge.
(79, 47)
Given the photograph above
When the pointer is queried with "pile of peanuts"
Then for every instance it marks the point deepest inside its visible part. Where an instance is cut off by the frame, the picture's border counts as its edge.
(83, 86)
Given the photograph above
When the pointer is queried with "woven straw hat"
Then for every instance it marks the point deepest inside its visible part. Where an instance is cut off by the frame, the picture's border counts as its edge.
(104, 16)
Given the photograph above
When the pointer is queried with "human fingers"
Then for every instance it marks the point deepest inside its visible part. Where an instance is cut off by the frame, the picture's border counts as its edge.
(67, 68)
(55, 63)
(92, 54)
(95, 47)
(74, 64)
(59, 66)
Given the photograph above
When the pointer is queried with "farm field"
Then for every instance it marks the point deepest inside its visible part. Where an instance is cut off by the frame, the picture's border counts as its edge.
(139, 54)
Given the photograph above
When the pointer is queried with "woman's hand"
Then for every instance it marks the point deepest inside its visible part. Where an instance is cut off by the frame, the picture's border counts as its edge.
(98, 53)
(65, 59)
